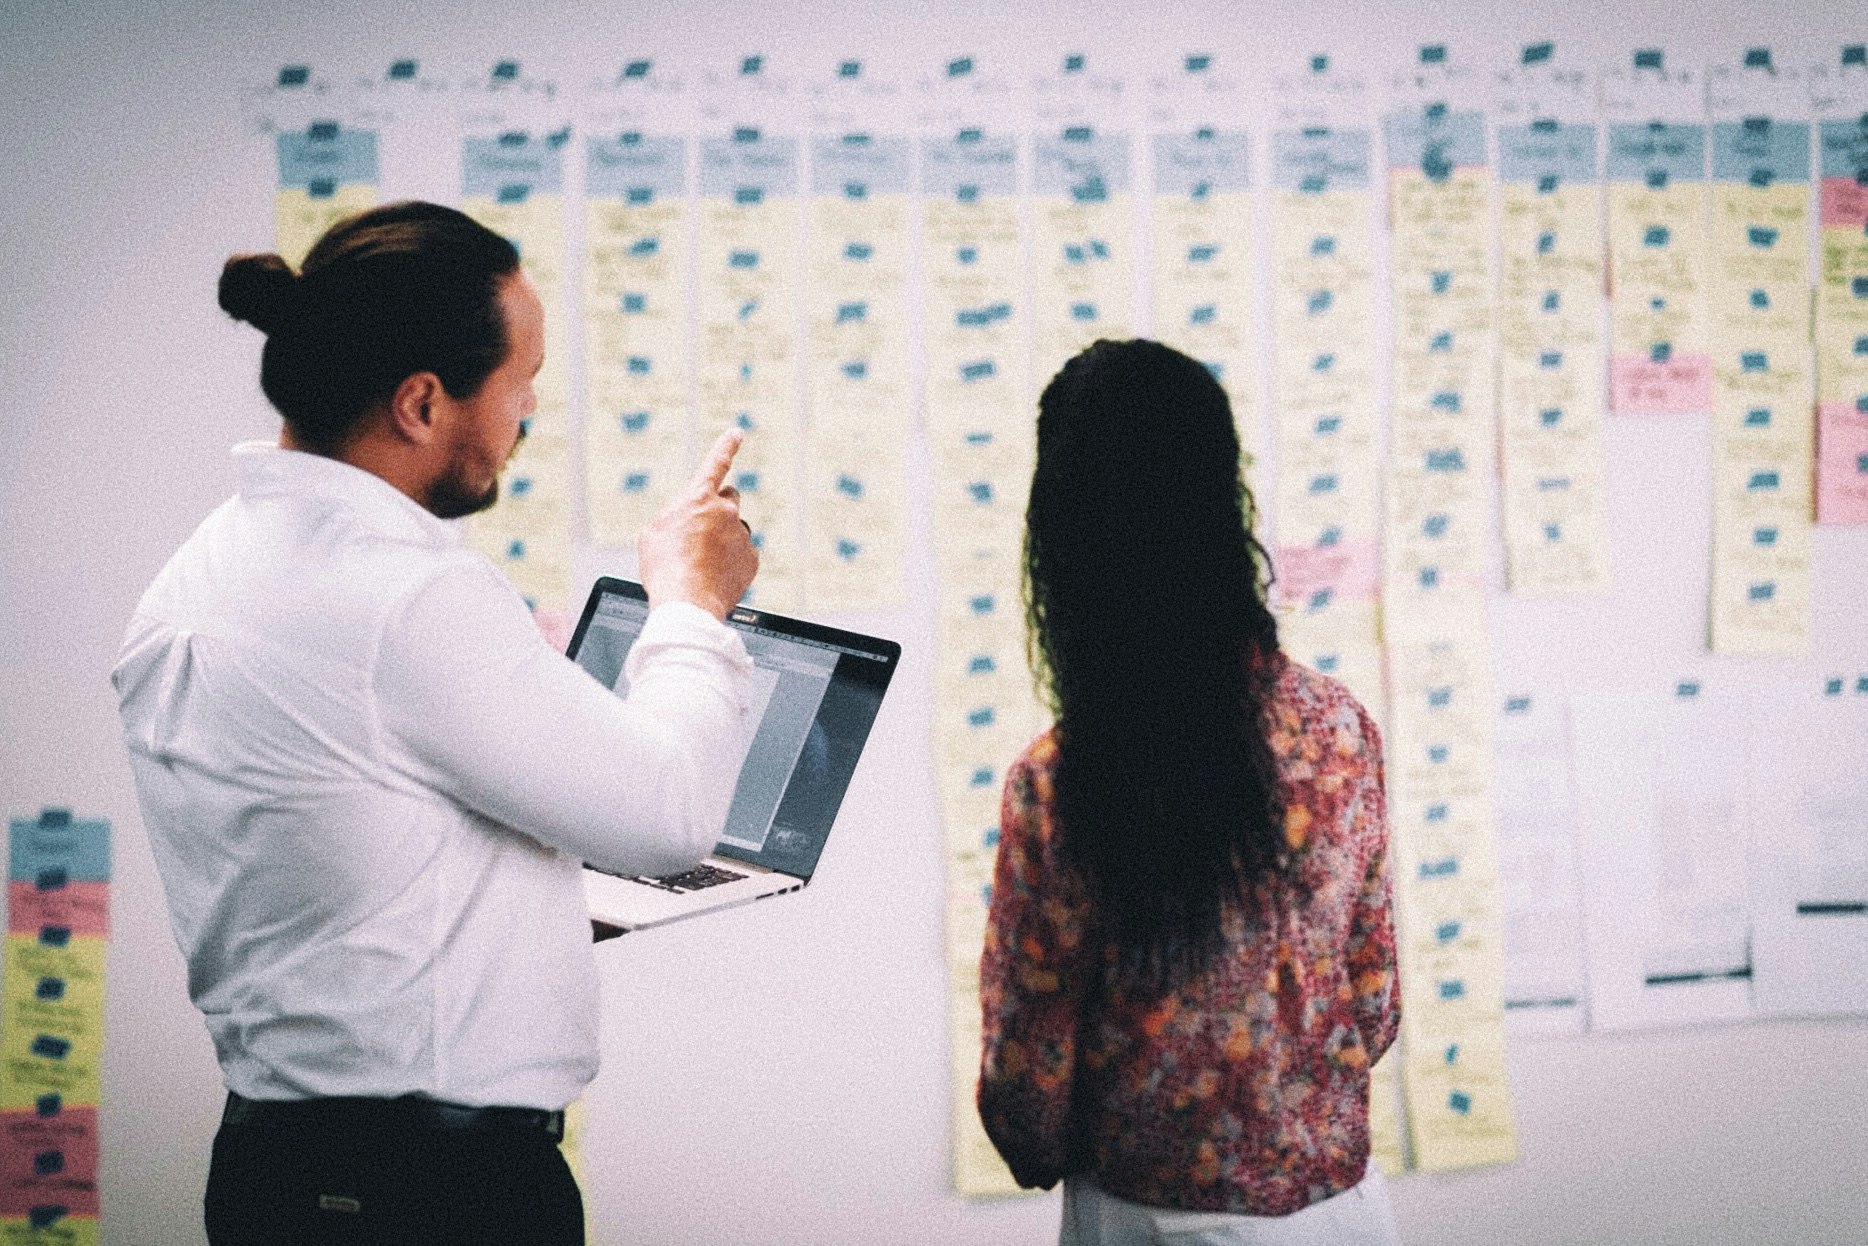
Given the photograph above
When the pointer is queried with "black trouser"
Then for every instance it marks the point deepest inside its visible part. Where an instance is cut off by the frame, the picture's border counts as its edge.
(383, 1171)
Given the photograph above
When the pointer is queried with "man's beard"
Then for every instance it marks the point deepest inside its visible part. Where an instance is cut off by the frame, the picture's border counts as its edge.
(451, 498)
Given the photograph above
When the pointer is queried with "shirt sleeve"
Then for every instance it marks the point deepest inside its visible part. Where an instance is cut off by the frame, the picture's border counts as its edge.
(496, 718)
(1370, 954)
(1033, 975)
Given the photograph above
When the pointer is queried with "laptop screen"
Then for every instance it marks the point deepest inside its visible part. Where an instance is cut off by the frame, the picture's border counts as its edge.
(815, 694)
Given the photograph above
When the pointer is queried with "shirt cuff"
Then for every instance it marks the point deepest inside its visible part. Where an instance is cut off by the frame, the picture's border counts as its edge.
(684, 625)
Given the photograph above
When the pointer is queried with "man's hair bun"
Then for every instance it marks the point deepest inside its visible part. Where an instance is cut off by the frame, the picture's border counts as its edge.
(259, 289)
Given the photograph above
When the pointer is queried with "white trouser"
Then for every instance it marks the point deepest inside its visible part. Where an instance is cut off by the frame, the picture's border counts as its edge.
(1359, 1216)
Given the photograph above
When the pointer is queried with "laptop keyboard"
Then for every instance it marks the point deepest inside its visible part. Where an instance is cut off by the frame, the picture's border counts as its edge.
(696, 879)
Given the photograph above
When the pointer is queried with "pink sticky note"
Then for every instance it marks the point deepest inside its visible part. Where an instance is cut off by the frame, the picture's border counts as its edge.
(557, 626)
(82, 908)
(1845, 203)
(48, 1161)
(1841, 464)
(1680, 386)
(1347, 571)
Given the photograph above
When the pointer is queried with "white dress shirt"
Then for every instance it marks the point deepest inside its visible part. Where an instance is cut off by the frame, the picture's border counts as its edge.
(370, 785)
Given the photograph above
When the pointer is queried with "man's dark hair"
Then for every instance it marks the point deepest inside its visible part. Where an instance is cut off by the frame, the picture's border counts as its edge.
(387, 293)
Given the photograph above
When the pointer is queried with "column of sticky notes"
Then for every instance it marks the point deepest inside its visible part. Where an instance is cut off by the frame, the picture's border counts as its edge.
(1327, 498)
(52, 1028)
(1763, 432)
(748, 361)
(1550, 359)
(1204, 268)
(1439, 658)
(636, 414)
(856, 486)
(326, 172)
(1842, 321)
(513, 183)
(1659, 352)
(1084, 269)
(979, 429)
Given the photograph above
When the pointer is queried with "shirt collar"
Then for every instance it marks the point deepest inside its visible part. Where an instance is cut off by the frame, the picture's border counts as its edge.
(265, 469)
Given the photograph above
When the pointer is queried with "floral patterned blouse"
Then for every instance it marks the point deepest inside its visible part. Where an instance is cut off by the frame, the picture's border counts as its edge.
(1247, 1088)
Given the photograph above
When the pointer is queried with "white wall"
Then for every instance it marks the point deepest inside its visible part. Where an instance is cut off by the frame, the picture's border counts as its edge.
(780, 1075)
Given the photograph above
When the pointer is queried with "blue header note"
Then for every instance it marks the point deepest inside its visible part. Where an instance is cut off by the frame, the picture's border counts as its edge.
(328, 154)
(625, 165)
(1761, 152)
(1645, 153)
(969, 165)
(493, 168)
(749, 168)
(54, 849)
(1087, 165)
(1845, 149)
(1537, 152)
(1209, 162)
(877, 163)
(1426, 138)
(1317, 160)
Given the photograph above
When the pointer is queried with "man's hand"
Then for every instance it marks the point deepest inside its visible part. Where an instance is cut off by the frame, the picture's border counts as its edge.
(698, 549)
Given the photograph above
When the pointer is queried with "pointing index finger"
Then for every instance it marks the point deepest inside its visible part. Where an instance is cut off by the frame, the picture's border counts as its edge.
(714, 467)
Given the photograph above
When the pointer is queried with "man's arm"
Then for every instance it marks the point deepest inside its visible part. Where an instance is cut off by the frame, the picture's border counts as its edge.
(499, 720)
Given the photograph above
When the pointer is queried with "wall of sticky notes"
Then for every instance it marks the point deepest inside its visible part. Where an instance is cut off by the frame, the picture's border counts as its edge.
(1544, 333)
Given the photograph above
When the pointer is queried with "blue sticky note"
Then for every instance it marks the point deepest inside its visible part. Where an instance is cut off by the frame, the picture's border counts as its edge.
(45, 1215)
(1438, 753)
(849, 69)
(1319, 302)
(1319, 64)
(1323, 245)
(634, 303)
(981, 777)
(635, 482)
(1517, 705)
(514, 194)
(959, 66)
(858, 251)
(1754, 361)
(1322, 484)
(1440, 281)
(1446, 932)
(856, 190)
(748, 196)
(1762, 480)
(636, 69)
(1764, 590)
(1546, 242)
(746, 482)
(1758, 58)
(856, 369)
(1451, 459)
(294, 75)
(1547, 184)
(49, 988)
(850, 487)
(1459, 1100)
(48, 1047)
(751, 65)
(1451, 1055)
(1429, 577)
(1686, 688)
(980, 491)
(1760, 299)
(1550, 417)
(1536, 53)
(1323, 363)
(981, 664)
(1446, 400)
(1656, 236)
(641, 248)
(635, 421)
(1552, 300)
(1083, 311)
(1452, 988)
(742, 259)
(1201, 253)
(1855, 54)
(1765, 536)
(1206, 313)
(1319, 600)
(1660, 352)
(984, 716)
(1328, 424)
(1075, 254)
(48, 1105)
(981, 605)
(847, 549)
(1435, 813)
(1435, 525)
(852, 313)
(516, 549)
(638, 365)
(1553, 532)
(1550, 359)
(977, 371)
(1445, 867)
(1647, 58)
(1433, 54)
(54, 936)
(48, 1163)
(1439, 698)
(521, 485)
(1758, 417)
(1832, 687)
(1325, 662)
(51, 878)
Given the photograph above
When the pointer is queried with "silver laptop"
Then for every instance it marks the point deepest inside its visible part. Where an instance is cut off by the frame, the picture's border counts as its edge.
(816, 691)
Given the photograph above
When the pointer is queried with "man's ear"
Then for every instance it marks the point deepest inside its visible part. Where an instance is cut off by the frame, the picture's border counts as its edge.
(418, 408)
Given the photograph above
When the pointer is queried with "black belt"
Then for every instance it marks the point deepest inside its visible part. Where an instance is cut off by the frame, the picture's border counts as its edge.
(409, 1111)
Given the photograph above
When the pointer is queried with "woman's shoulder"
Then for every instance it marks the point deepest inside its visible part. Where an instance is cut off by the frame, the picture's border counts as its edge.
(1308, 703)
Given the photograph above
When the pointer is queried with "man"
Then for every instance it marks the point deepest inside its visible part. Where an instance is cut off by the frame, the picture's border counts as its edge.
(370, 784)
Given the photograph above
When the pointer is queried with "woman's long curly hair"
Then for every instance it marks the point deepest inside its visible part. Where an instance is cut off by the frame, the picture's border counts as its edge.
(1150, 636)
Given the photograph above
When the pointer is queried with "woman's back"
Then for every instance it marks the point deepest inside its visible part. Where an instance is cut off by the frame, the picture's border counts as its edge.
(1242, 1087)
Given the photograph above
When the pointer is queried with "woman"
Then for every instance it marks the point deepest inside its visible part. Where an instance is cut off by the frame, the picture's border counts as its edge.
(1189, 961)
